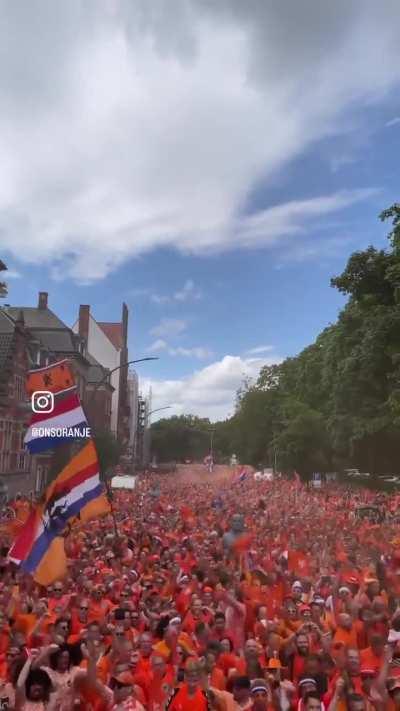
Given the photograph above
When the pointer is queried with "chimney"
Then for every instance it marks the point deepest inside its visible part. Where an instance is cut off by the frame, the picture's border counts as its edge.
(42, 303)
(84, 313)
(125, 316)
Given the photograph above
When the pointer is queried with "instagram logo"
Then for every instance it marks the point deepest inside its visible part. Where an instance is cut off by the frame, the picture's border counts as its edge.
(42, 401)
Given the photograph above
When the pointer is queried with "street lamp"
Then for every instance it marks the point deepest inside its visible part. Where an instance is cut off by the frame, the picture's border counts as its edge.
(158, 409)
(147, 430)
(118, 367)
(210, 430)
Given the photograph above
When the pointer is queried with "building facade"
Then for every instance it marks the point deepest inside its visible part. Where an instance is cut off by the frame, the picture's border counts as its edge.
(142, 433)
(48, 340)
(133, 399)
(107, 344)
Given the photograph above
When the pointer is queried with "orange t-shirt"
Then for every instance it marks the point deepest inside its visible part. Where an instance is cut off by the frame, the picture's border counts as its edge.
(217, 679)
(346, 637)
(369, 659)
(183, 702)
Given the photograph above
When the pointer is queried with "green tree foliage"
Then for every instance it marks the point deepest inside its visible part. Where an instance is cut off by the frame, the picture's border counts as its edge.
(108, 451)
(337, 404)
(180, 438)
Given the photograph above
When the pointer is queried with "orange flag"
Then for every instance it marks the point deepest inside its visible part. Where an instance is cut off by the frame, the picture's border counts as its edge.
(53, 565)
(54, 378)
(94, 509)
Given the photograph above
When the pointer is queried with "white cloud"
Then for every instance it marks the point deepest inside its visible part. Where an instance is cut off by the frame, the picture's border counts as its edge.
(199, 352)
(168, 327)
(148, 128)
(268, 226)
(12, 274)
(393, 122)
(189, 292)
(260, 349)
(158, 345)
(159, 299)
(209, 392)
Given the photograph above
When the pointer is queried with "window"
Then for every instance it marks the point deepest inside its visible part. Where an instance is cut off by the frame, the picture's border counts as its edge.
(8, 430)
(4, 462)
(21, 461)
(19, 384)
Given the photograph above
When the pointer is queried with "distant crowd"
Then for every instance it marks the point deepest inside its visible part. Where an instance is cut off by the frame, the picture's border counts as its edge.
(205, 592)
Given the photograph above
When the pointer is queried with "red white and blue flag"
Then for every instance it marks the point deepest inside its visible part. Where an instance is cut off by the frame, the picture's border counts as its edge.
(65, 422)
(75, 487)
(242, 476)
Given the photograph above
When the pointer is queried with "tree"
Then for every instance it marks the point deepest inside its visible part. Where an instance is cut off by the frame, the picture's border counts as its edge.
(3, 285)
(337, 403)
(108, 451)
(180, 438)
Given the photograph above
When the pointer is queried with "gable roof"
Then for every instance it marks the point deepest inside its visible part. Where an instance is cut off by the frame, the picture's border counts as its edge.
(44, 326)
(7, 325)
(113, 331)
(35, 318)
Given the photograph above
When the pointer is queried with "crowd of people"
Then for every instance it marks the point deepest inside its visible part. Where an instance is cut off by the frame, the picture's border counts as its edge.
(161, 610)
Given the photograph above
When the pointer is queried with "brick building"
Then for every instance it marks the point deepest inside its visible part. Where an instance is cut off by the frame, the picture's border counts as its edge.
(107, 342)
(35, 337)
(98, 396)
(18, 470)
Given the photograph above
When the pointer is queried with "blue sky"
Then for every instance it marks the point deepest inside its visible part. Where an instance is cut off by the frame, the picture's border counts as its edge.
(213, 193)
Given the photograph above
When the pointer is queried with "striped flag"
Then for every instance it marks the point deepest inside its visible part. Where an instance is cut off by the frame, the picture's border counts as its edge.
(36, 548)
(65, 422)
(242, 476)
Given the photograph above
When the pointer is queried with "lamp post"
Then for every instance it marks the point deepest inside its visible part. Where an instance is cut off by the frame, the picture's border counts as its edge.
(118, 367)
(210, 430)
(158, 409)
(147, 430)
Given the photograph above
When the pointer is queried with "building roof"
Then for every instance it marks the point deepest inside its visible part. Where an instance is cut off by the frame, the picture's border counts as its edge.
(44, 326)
(114, 333)
(7, 325)
(35, 318)
(57, 340)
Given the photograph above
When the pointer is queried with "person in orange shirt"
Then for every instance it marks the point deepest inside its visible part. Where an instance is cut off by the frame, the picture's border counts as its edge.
(145, 652)
(373, 656)
(190, 696)
(216, 677)
(160, 683)
(79, 619)
(99, 605)
(196, 614)
(346, 632)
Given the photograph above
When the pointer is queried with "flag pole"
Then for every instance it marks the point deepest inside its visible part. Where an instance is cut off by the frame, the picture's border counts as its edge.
(110, 501)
